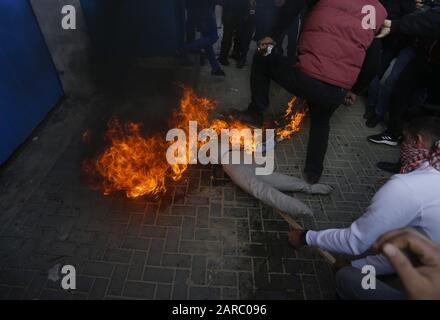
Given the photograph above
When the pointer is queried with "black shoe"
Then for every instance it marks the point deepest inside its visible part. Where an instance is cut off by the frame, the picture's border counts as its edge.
(312, 178)
(369, 112)
(202, 59)
(218, 72)
(224, 61)
(241, 63)
(384, 138)
(252, 119)
(389, 167)
(373, 121)
(235, 56)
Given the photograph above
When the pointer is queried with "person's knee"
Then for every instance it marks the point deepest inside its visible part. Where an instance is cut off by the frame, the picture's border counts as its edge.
(347, 282)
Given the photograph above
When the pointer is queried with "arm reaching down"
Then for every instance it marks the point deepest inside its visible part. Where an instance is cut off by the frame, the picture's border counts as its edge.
(393, 207)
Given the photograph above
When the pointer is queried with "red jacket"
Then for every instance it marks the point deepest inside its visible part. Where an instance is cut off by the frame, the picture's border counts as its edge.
(333, 42)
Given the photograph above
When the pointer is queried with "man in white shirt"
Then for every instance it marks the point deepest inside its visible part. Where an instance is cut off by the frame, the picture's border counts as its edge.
(409, 199)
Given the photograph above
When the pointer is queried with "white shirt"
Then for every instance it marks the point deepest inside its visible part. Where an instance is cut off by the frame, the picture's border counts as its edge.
(407, 200)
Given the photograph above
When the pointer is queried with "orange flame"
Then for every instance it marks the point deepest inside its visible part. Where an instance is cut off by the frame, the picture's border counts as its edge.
(137, 165)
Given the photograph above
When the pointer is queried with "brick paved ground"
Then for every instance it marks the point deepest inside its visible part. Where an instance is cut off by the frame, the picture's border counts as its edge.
(205, 239)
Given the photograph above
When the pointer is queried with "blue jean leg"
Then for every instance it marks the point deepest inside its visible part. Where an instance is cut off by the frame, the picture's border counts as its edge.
(384, 95)
(349, 287)
(206, 23)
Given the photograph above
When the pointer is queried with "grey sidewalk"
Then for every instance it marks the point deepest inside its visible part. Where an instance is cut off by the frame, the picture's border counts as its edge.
(205, 239)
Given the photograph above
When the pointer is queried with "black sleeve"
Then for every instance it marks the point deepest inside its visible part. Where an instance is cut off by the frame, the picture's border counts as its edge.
(408, 6)
(370, 67)
(288, 13)
(419, 24)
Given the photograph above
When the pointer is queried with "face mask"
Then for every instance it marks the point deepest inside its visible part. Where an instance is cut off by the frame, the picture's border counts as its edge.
(412, 157)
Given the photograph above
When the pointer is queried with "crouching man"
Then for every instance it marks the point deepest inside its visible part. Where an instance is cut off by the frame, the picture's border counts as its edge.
(418, 278)
(410, 199)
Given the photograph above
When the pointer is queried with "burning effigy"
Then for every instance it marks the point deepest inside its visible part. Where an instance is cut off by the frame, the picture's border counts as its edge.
(138, 166)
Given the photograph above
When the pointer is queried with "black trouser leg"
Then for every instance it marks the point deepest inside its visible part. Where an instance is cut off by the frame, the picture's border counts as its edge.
(190, 28)
(247, 31)
(318, 138)
(323, 99)
(264, 70)
(228, 34)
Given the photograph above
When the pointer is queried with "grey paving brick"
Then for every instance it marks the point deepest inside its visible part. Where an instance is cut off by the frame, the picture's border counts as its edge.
(16, 277)
(136, 243)
(202, 217)
(117, 255)
(222, 278)
(140, 290)
(163, 292)
(169, 221)
(97, 269)
(153, 274)
(229, 293)
(237, 263)
(205, 293)
(311, 287)
(176, 260)
(99, 289)
(181, 285)
(235, 213)
(136, 269)
(153, 232)
(172, 240)
(245, 285)
(155, 252)
(200, 247)
(117, 281)
(198, 272)
(188, 228)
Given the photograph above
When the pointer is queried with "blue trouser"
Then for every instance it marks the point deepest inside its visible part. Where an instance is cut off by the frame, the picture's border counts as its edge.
(349, 287)
(379, 95)
(206, 23)
(265, 20)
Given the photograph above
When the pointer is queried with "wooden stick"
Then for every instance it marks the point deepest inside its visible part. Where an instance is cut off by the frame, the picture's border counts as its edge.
(327, 256)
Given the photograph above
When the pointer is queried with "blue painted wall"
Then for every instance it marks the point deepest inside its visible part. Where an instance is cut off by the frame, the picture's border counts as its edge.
(29, 84)
(142, 28)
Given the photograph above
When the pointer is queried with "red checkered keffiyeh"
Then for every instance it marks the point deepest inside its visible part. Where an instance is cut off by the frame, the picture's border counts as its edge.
(413, 158)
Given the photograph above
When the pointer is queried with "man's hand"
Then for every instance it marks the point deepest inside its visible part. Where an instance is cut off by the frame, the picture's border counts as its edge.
(386, 29)
(421, 281)
(263, 45)
(419, 4)
(296, 238)
(350, 99)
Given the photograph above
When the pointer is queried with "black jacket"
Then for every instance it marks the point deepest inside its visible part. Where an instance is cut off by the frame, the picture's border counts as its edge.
(236, 6)
(425, 25)
(200, 4)
(398, 8)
